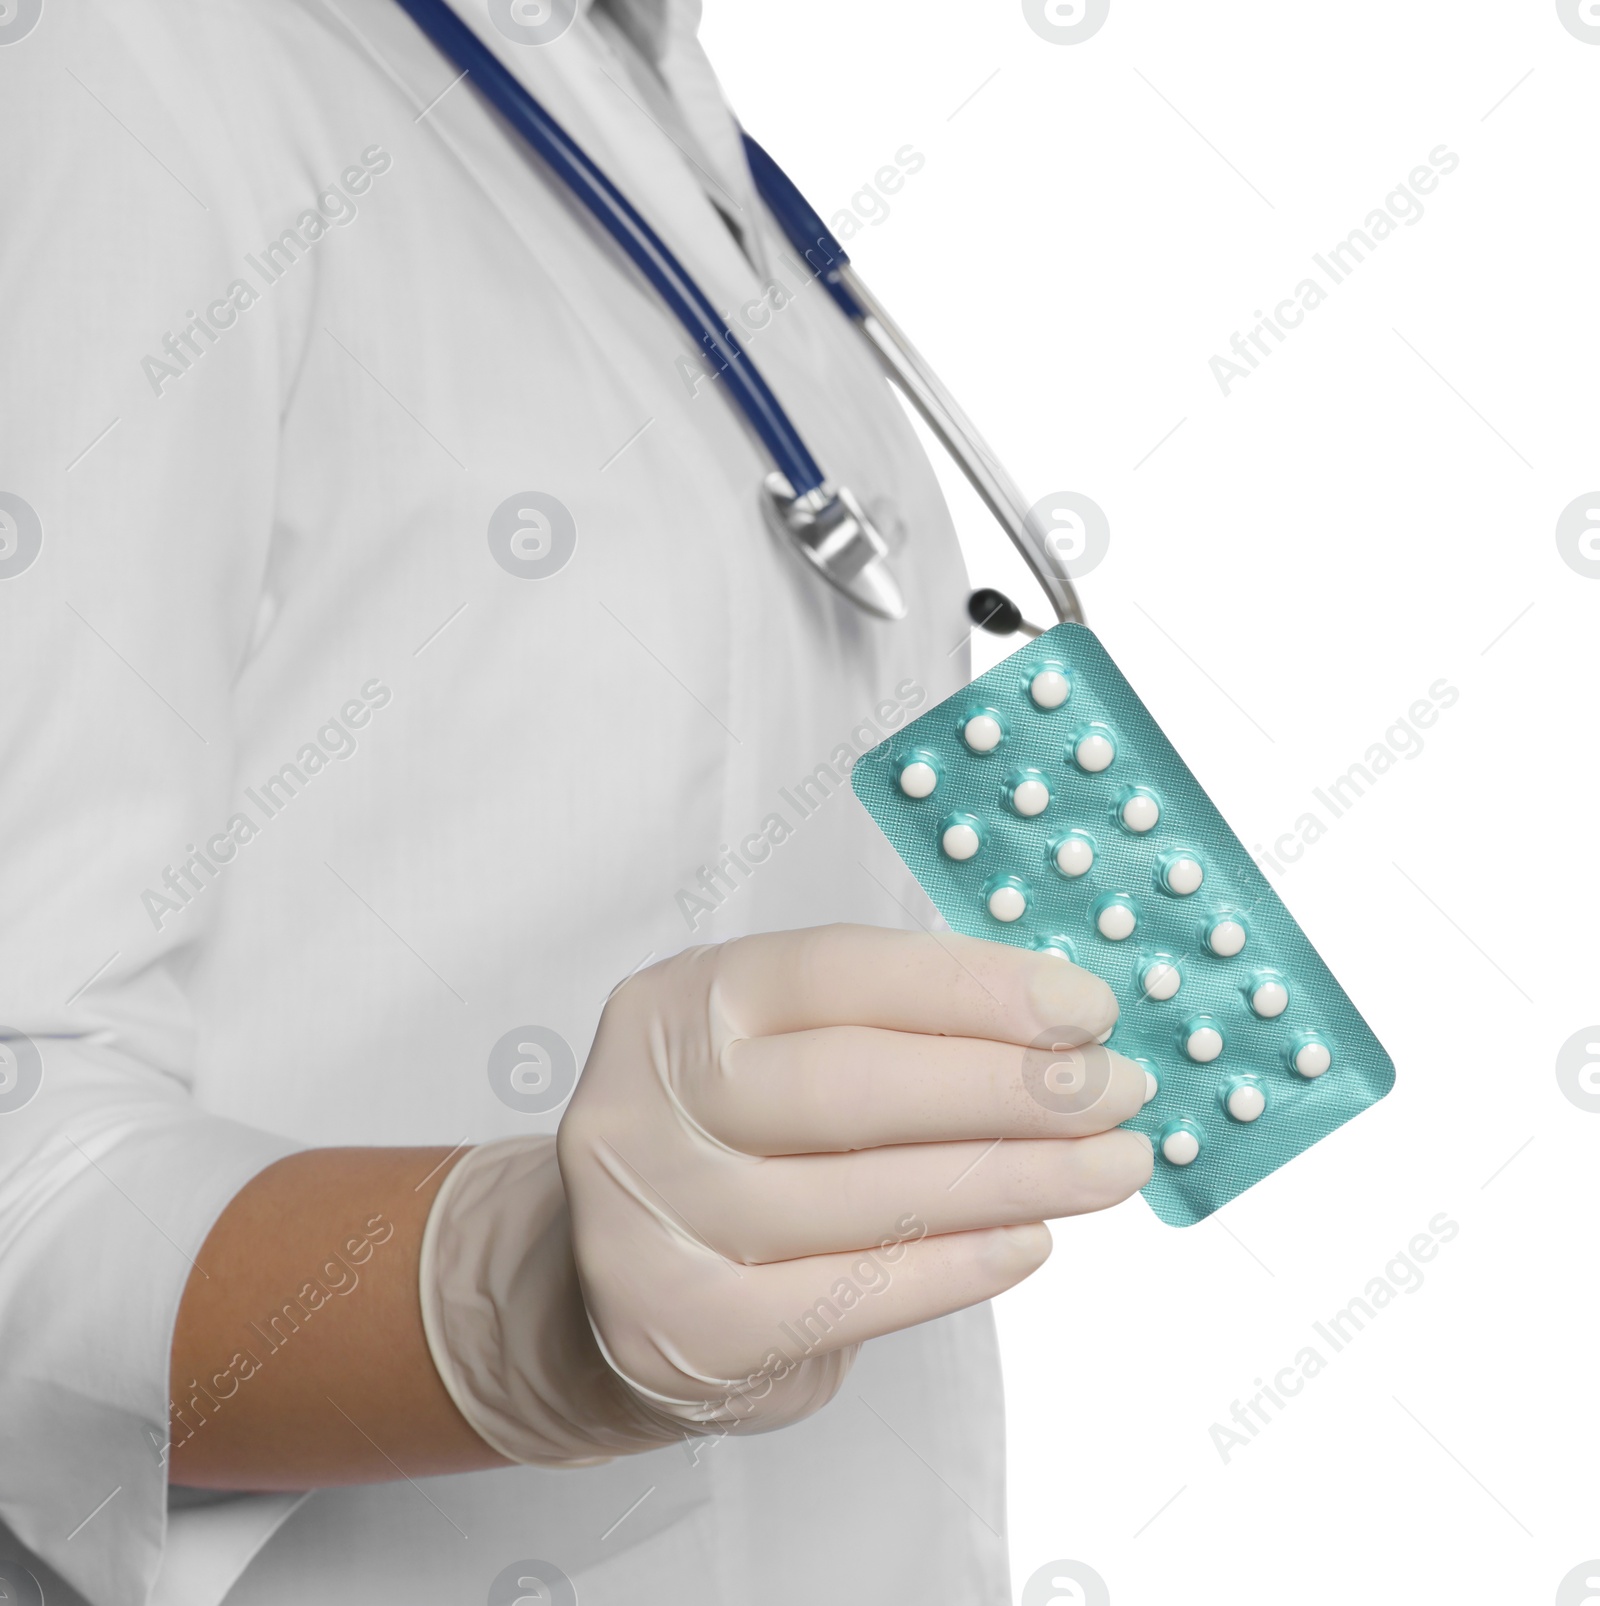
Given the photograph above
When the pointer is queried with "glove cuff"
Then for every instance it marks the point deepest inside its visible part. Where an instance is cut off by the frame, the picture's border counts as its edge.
(506, 1323)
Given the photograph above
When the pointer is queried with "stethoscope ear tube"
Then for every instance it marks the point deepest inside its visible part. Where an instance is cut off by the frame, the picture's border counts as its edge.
(810, 236)
(802, 225)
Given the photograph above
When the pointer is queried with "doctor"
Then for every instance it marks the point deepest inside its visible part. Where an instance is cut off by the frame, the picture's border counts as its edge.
(408, 706)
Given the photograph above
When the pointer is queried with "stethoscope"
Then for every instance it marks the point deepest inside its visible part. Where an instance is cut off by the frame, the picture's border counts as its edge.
(825, 522)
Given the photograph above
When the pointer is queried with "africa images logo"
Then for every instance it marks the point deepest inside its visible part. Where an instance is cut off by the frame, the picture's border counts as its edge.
(18, 18)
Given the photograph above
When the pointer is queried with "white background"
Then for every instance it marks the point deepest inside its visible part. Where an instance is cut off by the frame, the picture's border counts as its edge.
(1290, 568)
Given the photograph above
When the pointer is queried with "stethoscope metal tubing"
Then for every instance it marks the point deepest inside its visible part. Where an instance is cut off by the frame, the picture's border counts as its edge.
(921, 386)
(805, 231)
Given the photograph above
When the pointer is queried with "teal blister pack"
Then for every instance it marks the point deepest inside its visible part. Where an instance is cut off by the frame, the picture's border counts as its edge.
(1042, 806)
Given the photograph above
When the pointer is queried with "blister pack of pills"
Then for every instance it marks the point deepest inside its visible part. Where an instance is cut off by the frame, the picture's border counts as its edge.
(1043, 806)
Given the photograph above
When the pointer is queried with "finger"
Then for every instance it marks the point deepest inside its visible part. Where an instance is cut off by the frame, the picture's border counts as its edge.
(796, 1206)
(824, 1303)
(859, 1087)
(909, 981)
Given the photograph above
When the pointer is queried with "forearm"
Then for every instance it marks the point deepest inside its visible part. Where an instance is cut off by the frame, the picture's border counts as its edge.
(299, 1357)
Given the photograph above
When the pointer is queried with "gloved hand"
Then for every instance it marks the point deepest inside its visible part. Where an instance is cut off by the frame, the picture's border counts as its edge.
(780, 1147)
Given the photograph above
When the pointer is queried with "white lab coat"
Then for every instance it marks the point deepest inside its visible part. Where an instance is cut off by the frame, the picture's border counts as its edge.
(284, 522)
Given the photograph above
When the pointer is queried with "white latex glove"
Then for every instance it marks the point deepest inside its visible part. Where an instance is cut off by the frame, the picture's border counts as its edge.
(780, 1147)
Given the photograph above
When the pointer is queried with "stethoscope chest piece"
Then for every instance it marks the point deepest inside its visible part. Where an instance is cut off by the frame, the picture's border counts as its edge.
(833, 533)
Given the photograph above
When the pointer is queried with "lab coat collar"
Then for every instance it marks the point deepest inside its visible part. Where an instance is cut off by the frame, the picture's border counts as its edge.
(653, 25)
(579, 79)
(666, 32)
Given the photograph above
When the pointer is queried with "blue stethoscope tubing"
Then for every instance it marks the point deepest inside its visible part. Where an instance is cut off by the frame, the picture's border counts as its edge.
(826, 522)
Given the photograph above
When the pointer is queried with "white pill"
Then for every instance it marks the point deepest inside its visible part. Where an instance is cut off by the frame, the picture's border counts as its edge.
(1246, 1102)
(1203, 1044)
(960, 841)
(982, 733)
(1180, 1146)
(1270, 999)
(1140, 813)
(1161, 981)
(1007, 903)
(1183, 876)
(1115, 922)
(1055, 952)
(1225, 939)
(1049, 688)
(1312, 1059)
(918, 779)
(1094, 752)
(1151, 1086)
(1030, 798)
(1074, 855)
